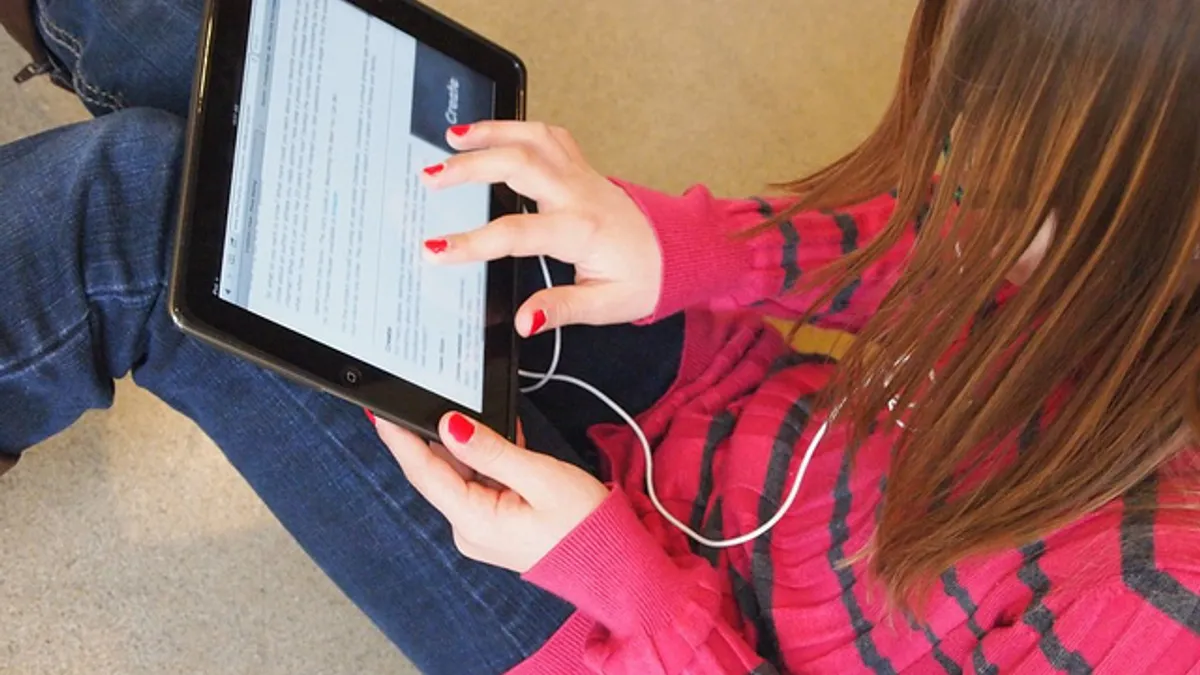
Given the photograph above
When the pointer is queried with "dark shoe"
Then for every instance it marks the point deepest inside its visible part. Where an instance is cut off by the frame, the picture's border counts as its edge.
(17, 18)
(6, 463)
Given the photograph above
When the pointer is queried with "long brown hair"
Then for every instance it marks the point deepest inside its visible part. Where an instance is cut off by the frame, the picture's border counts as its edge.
(1085, 113)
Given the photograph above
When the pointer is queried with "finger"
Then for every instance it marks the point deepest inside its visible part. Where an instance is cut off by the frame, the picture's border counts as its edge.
(520, 167)
(429, 475)
(490, 134)
(455, 463)
(489, 483)
(558, 235)
(591, 304)
(463, 470)
(526, 473)
(568, 143)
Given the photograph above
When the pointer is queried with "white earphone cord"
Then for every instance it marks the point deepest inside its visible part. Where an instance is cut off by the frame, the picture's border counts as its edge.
(551, 374)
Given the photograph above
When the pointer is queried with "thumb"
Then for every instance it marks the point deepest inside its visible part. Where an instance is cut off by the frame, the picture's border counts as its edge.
(492, 455)
(590, 303)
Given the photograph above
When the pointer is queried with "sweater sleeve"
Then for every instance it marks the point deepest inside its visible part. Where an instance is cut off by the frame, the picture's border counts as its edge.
(655, 615)
(707, 263)
(1108, 629)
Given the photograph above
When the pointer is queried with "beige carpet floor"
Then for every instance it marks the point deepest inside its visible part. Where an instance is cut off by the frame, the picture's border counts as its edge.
(130, 546)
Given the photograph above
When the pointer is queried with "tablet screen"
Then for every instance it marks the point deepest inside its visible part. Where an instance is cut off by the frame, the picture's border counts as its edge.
(339, 113)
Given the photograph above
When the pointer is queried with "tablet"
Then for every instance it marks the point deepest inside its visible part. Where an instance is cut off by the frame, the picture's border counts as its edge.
(302, 215)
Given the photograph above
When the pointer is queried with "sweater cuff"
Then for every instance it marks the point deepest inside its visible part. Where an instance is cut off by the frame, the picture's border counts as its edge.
(612, 570)
(563, 653)
(700, 259)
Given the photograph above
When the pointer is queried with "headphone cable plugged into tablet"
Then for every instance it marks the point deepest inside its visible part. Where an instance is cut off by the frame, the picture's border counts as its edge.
(552, 375)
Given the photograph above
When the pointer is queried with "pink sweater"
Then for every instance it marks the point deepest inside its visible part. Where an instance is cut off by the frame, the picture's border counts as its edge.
(1116, 592)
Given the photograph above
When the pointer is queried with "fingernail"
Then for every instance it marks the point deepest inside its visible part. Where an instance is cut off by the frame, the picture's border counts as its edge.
(460, 129)
(435, 169)
(437, 246)
(371, 416)
(461, 429)
(539, 322)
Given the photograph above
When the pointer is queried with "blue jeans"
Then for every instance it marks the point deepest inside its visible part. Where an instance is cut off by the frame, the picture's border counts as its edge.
(85, 219)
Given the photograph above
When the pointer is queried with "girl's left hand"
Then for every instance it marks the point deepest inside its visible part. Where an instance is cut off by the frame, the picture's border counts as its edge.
(531, 502)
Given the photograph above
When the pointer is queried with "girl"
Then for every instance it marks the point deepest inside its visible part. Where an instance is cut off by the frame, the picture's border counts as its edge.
(999, 475)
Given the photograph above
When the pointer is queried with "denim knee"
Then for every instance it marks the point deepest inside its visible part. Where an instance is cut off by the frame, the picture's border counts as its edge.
(86, 214)
(86, 211)
(144, 136)
(80, 180)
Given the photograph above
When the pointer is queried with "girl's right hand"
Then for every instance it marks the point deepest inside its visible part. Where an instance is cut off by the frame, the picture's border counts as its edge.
(583, 219)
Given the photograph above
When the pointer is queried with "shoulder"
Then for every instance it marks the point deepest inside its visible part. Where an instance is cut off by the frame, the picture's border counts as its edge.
(1159, 536)
(1142, 552)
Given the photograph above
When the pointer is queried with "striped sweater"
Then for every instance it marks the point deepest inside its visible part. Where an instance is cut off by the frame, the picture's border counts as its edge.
(1115, 592)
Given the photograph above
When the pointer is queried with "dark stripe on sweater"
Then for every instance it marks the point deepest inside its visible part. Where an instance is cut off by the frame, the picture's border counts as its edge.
(935, 644)
(841, 302)
(955, 590)
(762, 567)
(718, 431)
(839, 534)
(793, 359)
(713, 529)
(940, 656)
(1139, 564)
(764, 669)
(747, 602)
(882, 497)
(849, 229)
(791, 246)
(1039, 617)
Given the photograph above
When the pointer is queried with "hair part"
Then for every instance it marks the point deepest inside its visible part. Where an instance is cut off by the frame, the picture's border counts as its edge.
(1078, 112)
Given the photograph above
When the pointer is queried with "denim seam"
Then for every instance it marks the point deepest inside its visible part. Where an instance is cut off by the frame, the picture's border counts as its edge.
(85, 89)
(365, 474)
(128, 297)
(63, 38)
(64, 338)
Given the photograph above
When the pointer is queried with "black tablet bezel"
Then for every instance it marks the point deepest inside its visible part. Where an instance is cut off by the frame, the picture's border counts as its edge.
(203, 213)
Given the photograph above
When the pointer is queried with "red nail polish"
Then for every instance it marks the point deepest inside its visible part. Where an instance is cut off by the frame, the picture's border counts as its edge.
(435, 169)
(460, 129)
(461, 429)
(437, 246)
(539, 322)
(371, 416)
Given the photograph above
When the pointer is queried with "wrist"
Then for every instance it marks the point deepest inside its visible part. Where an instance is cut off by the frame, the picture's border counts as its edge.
(697, 260)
